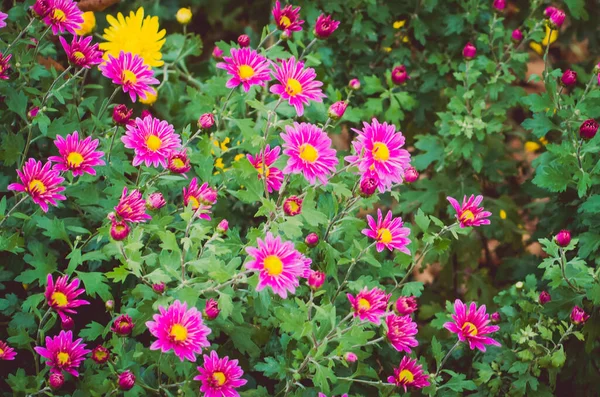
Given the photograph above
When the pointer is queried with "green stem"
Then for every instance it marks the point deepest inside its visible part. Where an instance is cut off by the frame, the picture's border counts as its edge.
(563, 265)
(305, 52)
(446, 359)
(105, 106)
(112, 141)
(350, 268)
(272, 114)
(19, 36)
(37, 47)
(265, 38)
(366, 382)
(60, 76)
(12, 209)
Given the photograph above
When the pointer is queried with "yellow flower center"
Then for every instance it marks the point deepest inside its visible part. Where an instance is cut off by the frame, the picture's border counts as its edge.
(74, 159)
(471, 329)
(123, 324)
(260, 169)
(293, 206)
(153, 143)
(380, 151)
(100, 355)
(405, 376)
(62, 358)
(308, 153)
(59, 299)
(219, 378)
(293, 87)
(59, 15)
(285, 21)
(245, 72)
(179, 332)
(467, 216)
(129, 77)
(384, 236)
(194, 201)
(273, 265)
(178, 163)
(364, 304)
(1, 351)
(35, 185)
(120, 228)
(502, 214)
(78, 55)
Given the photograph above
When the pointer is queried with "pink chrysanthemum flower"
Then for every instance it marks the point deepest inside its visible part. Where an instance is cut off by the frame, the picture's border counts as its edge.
(180, 329)
(62, 353)
(81, 52)
(296, 84)
(273, 174)
(388, 232)
(202, 198)
(378, 147)
(3, 17)
(246, 67)
(6, 352)
(131, 73)
(178, 162)
(401, 331)
(152, 139)
(287, 18)
(409, 374)
(469, 213)
(279, 265)
(62, 295)
(310, 152)
(369, 305)
(132, 208)
(472, 325)
(220, 376)
(77, 156)
(41, 182)
(63, 16)
(4, 66)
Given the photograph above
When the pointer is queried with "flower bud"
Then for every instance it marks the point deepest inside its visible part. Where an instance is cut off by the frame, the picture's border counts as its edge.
(159, 288)
(350, 357)
(325, 26)
(244, 40)
(67, 323)
(119, 230)
(122, 325)
(517, 36)
(212, 309)
(354, 84)
(569, 77)
(563, 238)
(217, 53)
(285, 35)
(155, 201)
(469, 52)
(184, 15)
(337, 110)
(411, 174)
(145, 113)
(33, 112)
(557, 19)
(499, 4)
(223, 226)
(100, 354)
(588, 129)
(406, 305)
(292, 206)
(121, 114)
(312, 240)
(56, 380)
(578, 316)
(549, 11)
(316, 279)
(519, 285)
(368, 184)
(597, 70)
(109, 305)
(126, 380)
(495, 317)
(206, 121)
(399, 75)
(178, 162)
(544, 298)
(33, 42)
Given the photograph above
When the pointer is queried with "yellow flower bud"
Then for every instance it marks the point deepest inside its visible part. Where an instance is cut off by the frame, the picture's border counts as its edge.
(502, 214)
(399, 24)
(532, 147)
(184, 15)
(88, 25)
(150, 98)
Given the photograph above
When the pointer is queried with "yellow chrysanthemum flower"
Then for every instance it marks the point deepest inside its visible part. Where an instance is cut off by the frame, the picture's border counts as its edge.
(184, 15)
(532, 147)
(399, 24)
(543, 141)
(151, 97)
(387, 49)
(551, 36)
(219, 163)
(136, 35)
(238, 157)
(88, 25)
(502, 214)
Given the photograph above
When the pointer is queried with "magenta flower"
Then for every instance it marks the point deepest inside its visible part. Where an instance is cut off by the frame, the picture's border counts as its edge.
(406, 305)
(579, 316)
(278, 264)
(155, 201)
(325, 26)
(336, 110)
(5, 66)
(316, 279)
(122, 325)
(42, 183)
(217, 53)
(246, 67)
(401, 331)
(471, 326)
(202, 198)
(409, 374)
(388, 232)
(589, 128)
(211, 311)
(6, 352)
(56, 380)
(178, 162)
(3, 17)
(544, 297)
(131, 208)
(62, 353)
(131, 73)
(126, 380)
(469, 213)
(77, 156)
(296, 84)
(557, 19)
(287, 18)
(119, 230)
(81, 53)
(369, 181)
(63, 16)
(100, 354)
(40, 8)
(369, 305)
(180, 329)
(563, 238)
(310, 152)
(152, 139)
(273, 174)
(517, 35)
(469, 51)
(378, 148)
(62, 295)
(220, 376)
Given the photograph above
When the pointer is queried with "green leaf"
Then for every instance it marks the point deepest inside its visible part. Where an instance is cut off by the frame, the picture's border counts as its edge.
(540, 124)
(95, 284)
(373, 85)
(118, 274)
(422, 221)
(92, 331)
(16, 101)
(436, 349)
(413, 288)
(458, 382)
(551, 178)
